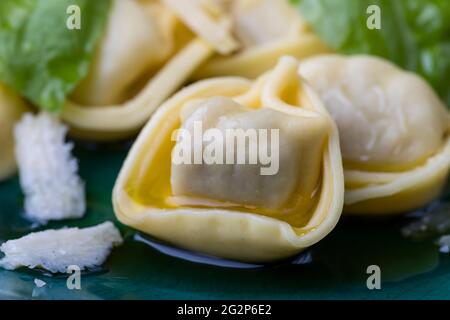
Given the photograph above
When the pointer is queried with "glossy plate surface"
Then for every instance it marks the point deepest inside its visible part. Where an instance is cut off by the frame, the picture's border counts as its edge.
(333, 269)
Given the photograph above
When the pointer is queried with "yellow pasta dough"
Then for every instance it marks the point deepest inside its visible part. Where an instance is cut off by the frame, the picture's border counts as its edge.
(394, 131)
(151, 48)
(11, 109)
(232, 210)
(145, 56)
(265, 31)
(209, 19)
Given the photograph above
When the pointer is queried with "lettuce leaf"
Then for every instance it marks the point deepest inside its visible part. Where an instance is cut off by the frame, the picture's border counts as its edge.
(39, 56)
(414, 34)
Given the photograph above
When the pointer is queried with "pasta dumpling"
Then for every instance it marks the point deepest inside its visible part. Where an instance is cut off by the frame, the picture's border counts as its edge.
(145, 55)
(185, 183)
(394, 131)
(298, 143)
(151, 48)
(282, 21)
(138, 39)
(263, 31)
(209, 19)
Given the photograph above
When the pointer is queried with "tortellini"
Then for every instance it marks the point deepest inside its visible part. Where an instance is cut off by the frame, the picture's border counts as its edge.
(242, 210)
(265, 30)
(11, 109)
(151, 48)
(209, 19)
(394, 131)
(300, 143)
(138, 39)
(145, 56)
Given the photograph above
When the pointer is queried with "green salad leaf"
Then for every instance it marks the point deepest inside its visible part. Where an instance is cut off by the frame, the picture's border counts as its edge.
(40, 56)
(414, 34)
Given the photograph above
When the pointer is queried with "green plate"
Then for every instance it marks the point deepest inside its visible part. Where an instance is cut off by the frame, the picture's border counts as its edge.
(335, 268)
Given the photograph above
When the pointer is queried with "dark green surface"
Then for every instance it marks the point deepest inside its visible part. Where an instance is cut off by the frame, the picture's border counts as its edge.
(136, 271)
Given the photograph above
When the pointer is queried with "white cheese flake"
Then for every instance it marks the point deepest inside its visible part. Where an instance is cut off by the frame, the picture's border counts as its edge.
(48, 171)
(39, 283)
(56, 250)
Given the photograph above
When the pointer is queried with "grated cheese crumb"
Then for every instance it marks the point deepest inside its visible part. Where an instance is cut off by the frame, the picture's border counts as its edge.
(56, 250)
(48, 172)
